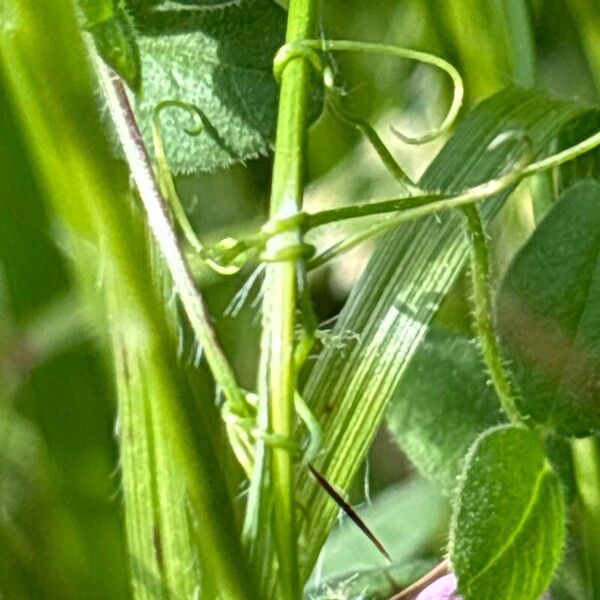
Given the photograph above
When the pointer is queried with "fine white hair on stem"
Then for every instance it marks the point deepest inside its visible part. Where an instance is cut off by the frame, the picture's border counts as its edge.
(242, 295)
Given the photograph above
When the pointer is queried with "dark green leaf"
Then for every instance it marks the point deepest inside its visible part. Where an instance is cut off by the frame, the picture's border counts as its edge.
(507, 530)
(443, 402)
(548, 311)
(220, 61)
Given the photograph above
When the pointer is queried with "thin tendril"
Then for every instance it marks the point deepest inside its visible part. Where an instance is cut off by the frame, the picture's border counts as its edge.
(167, 184)
(306, 49)
(409, 207)
(335, 104)
(418, 206)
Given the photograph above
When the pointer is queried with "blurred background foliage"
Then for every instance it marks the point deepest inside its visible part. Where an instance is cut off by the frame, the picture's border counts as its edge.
(61, 526)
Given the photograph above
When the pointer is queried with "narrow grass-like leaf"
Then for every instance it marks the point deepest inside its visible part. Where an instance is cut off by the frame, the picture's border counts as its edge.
(391, 306)
(220, 61)
(507, 531)
(86, 191)
(547, 313)
(443, 402)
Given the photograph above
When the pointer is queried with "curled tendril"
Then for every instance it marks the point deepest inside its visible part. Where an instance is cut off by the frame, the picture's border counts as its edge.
(167, 184)
(308, 49)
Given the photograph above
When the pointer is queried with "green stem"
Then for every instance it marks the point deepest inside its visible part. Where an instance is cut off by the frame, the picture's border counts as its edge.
(519, 42)
(277, 356)
(482, 310)
(166, 238)
(586, 459)
(87, 193)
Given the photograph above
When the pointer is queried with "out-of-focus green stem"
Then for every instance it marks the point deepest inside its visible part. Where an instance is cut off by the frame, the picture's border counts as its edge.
(586, 458)
(44, 60)
(587, 16)
(519, 42)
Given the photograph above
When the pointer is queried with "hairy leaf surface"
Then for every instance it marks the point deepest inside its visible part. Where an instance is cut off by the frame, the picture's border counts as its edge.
(442, 404)
(221, 62)
(549, 315)
(507, 531)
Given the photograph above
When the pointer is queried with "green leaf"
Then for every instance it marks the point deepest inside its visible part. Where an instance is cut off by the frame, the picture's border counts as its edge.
(547, 314)
(113, 31)
(508, 526)
(221, 62)
(391, 306)
(167, 447)
(374, 584)
(443, 402)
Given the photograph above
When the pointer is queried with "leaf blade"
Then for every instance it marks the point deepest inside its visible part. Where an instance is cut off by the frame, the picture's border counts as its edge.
(444, 383)
(552, 288)
(508, 497)
(391, 306)
(221, 62)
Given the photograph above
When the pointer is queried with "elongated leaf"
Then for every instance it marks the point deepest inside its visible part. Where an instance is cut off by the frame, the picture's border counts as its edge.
(221, 62)
(444, 401)
(507, 530)
(391, 306)
(168, 455)
(548, 309)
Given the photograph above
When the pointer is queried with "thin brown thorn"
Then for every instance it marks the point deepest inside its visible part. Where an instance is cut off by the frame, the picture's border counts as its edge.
(349, 511)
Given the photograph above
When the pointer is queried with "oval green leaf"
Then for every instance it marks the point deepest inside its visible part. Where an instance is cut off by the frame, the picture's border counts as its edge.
(507, 531)
(443, 402)
(221, 62)
(548, 315)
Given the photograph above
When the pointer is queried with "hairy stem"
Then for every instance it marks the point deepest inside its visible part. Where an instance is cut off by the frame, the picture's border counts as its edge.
(277, 356)
(586, 458)
(166, 238)
(482, 310)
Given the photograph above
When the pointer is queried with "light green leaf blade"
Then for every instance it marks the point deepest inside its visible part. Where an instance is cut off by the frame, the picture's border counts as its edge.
(443, 402)
(547, 313)
(391, 306)
(221, 62)
(507, 531)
